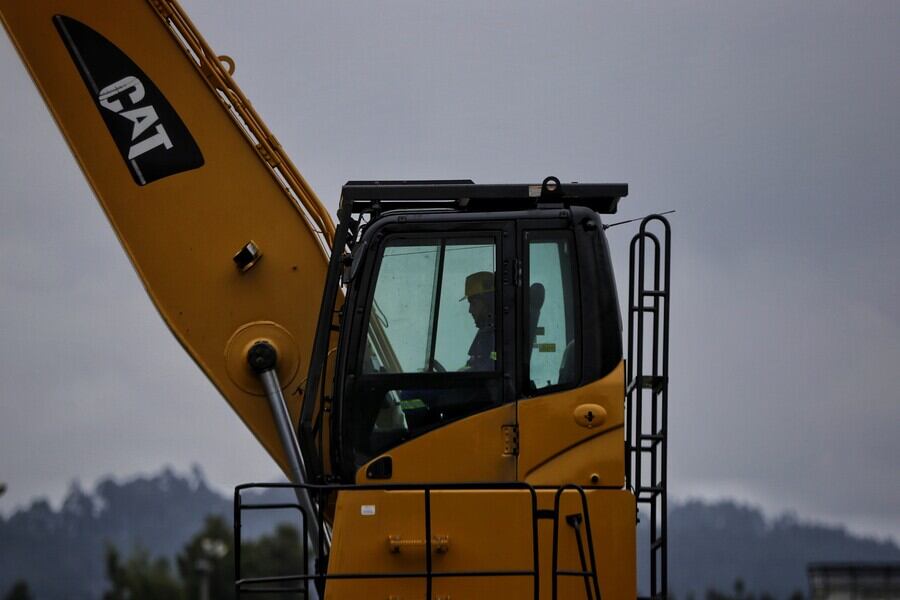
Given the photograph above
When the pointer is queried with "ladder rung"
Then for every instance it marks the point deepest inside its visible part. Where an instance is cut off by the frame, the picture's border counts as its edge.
(651, 488)
(652, 491)
(643, 309)
(657, 544)
(656, 293)
(647, 382)
(653, 382)
(649, 443)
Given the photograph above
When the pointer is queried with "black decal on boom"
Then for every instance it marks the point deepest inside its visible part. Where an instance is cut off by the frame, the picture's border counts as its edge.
(150, 136)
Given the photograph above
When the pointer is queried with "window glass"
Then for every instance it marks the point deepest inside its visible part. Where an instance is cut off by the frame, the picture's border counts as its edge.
(403, 308)
(405, 413)
(433, 313)
(434, 308)
(553, 346)
(466, 333)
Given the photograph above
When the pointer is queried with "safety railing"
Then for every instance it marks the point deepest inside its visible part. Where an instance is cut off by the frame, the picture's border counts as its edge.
(300, 583)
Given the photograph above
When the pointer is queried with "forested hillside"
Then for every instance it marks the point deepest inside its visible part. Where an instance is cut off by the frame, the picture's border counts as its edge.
(61, 553)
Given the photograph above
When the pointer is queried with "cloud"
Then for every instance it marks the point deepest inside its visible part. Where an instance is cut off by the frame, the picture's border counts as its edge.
(771, 128)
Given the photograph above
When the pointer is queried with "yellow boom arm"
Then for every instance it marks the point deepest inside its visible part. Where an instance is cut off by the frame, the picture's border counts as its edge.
(228, 239)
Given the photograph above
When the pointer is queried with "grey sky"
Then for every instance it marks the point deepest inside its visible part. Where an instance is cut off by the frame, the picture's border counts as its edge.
(772, 127)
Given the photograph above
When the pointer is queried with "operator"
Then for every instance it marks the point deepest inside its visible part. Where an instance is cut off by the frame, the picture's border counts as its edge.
(480, 294)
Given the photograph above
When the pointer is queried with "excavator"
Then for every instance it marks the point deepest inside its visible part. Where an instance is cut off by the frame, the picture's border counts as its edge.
(440, 371)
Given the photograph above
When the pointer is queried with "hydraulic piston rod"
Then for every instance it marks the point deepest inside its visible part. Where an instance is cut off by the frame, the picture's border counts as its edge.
(263, 359)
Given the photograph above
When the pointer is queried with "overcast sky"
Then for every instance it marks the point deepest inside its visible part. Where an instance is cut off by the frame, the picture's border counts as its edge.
(773, 129)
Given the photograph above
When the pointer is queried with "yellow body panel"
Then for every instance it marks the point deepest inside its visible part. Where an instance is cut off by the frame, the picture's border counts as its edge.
(181, 231)
(491, 530)
(383, 532)
(471, 449)
(555, 449)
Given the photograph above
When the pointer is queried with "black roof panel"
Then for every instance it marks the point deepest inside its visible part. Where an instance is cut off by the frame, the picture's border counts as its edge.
(465, 195)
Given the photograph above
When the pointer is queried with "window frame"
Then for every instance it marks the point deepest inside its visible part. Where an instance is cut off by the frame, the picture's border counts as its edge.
(556, 234)
(357, 386)
(369, 303)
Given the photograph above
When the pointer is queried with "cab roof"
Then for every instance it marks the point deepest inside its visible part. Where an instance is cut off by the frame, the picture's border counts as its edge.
(466, 195)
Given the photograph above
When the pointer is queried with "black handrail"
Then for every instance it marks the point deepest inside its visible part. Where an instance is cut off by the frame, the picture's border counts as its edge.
(589, 574)
(649, 439)
(321, 576)
(239, 507)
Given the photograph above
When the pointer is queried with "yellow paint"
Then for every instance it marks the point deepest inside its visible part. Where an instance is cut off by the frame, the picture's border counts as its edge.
(477, 531)
(555, 449)
(181, 232)
(470, 449)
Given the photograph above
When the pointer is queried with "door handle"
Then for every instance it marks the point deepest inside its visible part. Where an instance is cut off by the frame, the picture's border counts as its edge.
(440, 544)
(590, 415)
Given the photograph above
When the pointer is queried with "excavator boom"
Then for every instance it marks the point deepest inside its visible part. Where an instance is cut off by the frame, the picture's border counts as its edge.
(228, 239)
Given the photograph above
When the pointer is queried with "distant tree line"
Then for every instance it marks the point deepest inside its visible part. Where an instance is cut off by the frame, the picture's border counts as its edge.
(64, 553)
(207, 560)
(143, 578)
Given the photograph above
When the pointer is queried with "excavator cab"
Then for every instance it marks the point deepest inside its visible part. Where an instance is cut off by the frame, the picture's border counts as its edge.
(464, 304)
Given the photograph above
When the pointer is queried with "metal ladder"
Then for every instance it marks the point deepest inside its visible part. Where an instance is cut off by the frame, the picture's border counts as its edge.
(647, 391)
(587, 560)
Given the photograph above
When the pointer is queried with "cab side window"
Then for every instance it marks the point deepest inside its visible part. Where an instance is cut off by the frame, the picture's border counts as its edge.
(553, 345)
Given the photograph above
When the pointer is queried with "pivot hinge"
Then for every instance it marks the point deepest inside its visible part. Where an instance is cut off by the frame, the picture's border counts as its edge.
(510, 440)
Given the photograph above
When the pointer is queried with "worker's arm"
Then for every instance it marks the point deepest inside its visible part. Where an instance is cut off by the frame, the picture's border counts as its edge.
(188, 176)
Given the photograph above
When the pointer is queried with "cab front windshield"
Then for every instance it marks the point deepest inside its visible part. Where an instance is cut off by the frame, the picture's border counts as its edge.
(432, 301)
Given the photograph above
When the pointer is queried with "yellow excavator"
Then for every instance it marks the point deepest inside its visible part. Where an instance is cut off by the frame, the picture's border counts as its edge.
(440, 373)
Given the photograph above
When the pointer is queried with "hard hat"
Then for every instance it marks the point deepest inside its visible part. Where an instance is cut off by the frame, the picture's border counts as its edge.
(481, 282)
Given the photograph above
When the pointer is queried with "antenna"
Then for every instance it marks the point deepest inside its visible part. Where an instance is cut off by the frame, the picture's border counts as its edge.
(605, 227)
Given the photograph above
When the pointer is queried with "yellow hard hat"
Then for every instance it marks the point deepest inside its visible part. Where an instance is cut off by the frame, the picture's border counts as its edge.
(481, 282)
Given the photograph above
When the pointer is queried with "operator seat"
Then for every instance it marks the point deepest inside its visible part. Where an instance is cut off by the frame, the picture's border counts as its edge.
(536, 295)
(568, 368)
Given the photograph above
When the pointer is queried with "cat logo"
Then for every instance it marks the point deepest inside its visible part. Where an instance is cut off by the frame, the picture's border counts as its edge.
(130, 89)
(149, 135)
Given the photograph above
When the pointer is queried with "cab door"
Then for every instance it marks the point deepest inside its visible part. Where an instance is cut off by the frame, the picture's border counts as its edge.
(570, 409)
(428, 392)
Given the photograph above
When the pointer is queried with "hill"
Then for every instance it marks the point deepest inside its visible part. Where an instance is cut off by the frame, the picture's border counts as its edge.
(713, 544)
(61, 552)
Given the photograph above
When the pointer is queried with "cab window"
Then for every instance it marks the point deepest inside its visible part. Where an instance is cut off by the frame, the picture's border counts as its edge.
(431, 353)
(552, 341)
(433, 309)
